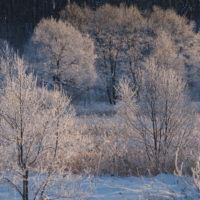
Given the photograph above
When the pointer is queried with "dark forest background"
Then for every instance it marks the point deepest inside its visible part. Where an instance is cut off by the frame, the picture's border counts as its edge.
(19, 17)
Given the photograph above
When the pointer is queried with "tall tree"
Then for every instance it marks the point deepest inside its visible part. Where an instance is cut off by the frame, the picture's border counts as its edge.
(161, 118)
(34, 129)
(60, 55)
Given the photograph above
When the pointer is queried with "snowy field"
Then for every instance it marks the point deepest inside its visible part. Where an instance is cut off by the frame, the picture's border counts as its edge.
(161, 187)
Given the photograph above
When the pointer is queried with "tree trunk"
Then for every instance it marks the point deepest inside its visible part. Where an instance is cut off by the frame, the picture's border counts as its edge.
(113, 83)
(25, 185)
(108, 92)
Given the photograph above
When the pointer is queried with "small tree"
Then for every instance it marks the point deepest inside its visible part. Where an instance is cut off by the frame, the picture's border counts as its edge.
(161, 115)
(34, 129)
(61, 55)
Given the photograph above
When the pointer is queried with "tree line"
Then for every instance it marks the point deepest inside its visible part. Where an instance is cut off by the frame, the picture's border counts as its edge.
(19, 18)
(21, 11)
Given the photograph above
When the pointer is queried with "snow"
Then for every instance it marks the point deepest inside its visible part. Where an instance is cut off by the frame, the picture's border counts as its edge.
(161, 187)
(7, 193)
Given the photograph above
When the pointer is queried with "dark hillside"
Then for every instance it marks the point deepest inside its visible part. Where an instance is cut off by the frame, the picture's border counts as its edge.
(19, 17)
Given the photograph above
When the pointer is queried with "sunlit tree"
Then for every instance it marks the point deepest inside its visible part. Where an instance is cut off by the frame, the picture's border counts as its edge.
(61, 55)
(35, 128)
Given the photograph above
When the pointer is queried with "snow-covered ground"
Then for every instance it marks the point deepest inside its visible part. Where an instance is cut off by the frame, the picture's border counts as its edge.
(161, 187)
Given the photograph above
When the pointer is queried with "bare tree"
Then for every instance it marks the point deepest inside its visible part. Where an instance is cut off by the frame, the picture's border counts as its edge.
(61, 55)
(35, 127)
(161, 116)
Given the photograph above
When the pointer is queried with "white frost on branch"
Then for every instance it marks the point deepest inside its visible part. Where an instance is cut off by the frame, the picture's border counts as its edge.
(61, 55)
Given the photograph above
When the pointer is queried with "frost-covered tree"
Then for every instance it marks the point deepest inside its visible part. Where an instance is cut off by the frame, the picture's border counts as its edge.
(125, 37)
(108, 45)
(110, 26)
(7, 57)
(184, 42)
(136, 42)
(61, 55)
(160, 116)
(79, 17)
(164, 53)
(119, 43)
(35, 128)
